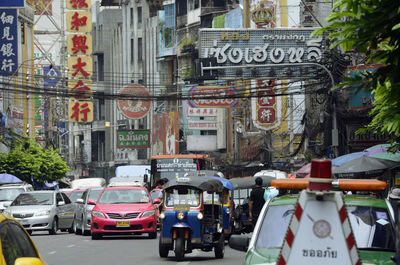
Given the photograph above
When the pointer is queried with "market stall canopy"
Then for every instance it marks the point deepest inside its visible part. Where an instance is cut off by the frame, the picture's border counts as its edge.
(365, 165)
(338, 161)
(250, 182)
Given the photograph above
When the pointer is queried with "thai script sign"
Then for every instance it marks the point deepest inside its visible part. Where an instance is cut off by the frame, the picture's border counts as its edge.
(213, 96)
(8, 42)
(134, 102)
(133, 138)
(279, 49)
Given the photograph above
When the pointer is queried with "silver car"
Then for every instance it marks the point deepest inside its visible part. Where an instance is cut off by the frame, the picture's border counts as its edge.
(43, 210)
(83, 210)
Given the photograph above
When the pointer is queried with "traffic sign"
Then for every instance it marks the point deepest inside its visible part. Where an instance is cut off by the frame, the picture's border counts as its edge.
(12, 3)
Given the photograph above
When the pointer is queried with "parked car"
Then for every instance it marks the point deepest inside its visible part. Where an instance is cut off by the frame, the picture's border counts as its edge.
(370, 219)
(83, 210)
(124, 210)
(9, 191)
(16, 245)
(76, 194)
(43, 210)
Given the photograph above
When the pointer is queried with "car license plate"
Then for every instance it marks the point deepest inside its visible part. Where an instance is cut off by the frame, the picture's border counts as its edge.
(123, 224)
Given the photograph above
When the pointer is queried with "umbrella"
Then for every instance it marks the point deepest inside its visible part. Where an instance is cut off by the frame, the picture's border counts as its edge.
(376, 147)
(338, 161)
(365, 165)
(4, 177)
(303, 171)
(383, 153)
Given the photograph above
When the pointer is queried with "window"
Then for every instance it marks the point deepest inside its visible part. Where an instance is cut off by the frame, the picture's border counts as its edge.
(140, 47)
(58, 198)
(15, 243)
(100, 59)
(139, 14)
(66, 199)
(132, 50)
(131, 13)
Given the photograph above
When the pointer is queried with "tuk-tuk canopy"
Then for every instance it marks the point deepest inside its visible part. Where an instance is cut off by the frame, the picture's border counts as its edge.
(205, 184)
(250, 182)
(214, 175)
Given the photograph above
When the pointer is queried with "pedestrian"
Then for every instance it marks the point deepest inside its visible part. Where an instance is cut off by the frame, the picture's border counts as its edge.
(394, 199)
(256, 201)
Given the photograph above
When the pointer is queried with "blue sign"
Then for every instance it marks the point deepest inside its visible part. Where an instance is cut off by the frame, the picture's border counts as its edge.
(8, 42)
(51, 76)
(12, 3)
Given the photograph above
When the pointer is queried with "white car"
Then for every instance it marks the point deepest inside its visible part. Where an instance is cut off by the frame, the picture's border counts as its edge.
(9, 191)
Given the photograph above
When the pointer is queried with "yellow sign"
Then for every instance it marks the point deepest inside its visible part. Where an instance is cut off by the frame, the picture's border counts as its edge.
(80, 89)
(80, 111)
(80, 44)
(80, 66)
(79, 4)
(397, 179)
(79, 21)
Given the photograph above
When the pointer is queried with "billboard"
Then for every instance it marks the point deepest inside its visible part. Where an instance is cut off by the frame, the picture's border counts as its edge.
(263, 53)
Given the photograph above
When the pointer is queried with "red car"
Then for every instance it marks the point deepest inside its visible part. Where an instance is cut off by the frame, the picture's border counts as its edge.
(124, 210)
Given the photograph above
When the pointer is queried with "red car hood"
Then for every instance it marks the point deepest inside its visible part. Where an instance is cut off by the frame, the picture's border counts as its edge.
(124, 207)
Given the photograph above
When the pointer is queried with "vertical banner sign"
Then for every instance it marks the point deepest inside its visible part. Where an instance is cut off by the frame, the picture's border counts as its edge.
(8, 42)
(80, 63)
(266, 107)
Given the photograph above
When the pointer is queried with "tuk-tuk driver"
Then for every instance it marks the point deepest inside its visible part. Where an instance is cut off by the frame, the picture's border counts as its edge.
(256, 201)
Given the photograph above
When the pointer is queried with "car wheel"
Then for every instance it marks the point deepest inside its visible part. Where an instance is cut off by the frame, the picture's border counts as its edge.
(54, 227)
(162, 249)
(76, 230)
(84, 232)
(219, 249)
(96, 236)
(153, 235)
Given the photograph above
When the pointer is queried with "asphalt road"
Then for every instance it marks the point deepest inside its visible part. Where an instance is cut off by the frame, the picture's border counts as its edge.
(71, 249)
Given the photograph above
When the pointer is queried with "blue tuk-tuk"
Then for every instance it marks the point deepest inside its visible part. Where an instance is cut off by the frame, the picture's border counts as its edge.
(192, 217)
(228, 204)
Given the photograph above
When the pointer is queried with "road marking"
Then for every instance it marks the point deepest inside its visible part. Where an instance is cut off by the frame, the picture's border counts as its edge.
(51, 253)
(70, 246)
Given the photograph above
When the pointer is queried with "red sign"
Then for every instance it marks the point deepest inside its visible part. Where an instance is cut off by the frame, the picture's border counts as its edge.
(135, 101)
(213, 96)
(266, 103)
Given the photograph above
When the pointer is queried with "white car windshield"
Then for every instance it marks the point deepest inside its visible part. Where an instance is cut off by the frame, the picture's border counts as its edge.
(9, 194)
(372, 227)
(37, 198)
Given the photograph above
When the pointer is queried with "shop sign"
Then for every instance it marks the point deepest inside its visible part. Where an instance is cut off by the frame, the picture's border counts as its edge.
(266, 106)
(41, 6)
(364, 140)
(79, 21)
(134, 102)
(202, 125)
(8, 42)
(250, 153)
(133, 138)
(213, 96)
(80, 111)
(202, 112)
(12, 3)
(359, 98)
(280, 49)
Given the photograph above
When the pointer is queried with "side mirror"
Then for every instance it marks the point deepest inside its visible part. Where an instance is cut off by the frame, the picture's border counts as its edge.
(238, 242)
(7, 204)
(79, 200)
(28, 261)
(145, 178)
(60, 203)
(157, 201)
(91, 202)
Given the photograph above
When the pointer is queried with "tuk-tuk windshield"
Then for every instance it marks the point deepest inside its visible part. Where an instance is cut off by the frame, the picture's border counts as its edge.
(207, 197)
(187, 196)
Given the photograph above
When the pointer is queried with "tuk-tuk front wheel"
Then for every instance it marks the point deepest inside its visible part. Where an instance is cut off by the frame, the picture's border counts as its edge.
(179, 248)
(162, 249)
(219, 249)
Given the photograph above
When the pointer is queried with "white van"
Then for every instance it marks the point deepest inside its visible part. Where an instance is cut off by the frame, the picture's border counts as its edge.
(9, 191)
(86, 183)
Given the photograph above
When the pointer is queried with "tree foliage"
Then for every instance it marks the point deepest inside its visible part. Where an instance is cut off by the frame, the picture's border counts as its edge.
(27, 160)
(372, 28)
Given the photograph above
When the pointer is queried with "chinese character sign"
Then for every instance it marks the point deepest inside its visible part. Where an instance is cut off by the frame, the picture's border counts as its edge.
(80, 111)
(78, 4)
(79, 21)
(80, 89)
(266, 105)
(79, 44)
(8, 42)
(80, 66)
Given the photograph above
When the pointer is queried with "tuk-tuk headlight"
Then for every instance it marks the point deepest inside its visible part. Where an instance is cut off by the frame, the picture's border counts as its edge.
(180, 215)
(200, 216)
(162, 215)
(228, 211)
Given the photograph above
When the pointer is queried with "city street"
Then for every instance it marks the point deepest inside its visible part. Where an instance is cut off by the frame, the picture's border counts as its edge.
(67, 249)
